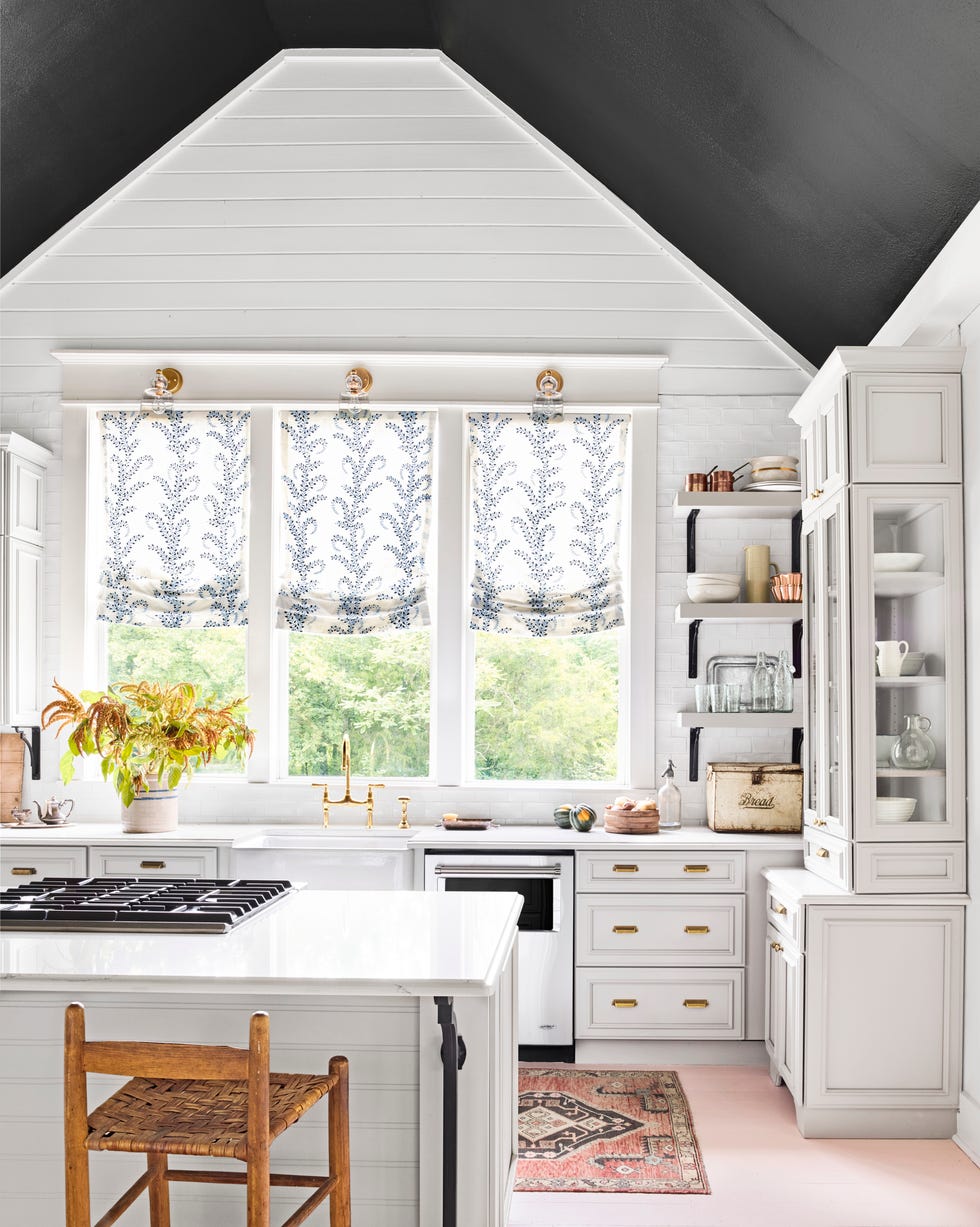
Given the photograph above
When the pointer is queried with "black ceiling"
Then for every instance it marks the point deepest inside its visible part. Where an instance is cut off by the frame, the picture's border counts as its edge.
(810, 155)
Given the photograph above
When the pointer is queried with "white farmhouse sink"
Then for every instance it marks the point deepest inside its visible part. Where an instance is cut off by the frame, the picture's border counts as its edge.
(335, 858)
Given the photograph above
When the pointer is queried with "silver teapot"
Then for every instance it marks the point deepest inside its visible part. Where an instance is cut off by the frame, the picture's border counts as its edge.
(54, 811)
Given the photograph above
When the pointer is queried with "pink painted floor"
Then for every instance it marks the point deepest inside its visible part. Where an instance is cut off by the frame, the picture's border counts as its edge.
(763, 1174)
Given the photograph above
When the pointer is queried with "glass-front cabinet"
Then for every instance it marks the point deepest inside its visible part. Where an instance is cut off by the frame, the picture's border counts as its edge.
(908, 651)
(884, 779)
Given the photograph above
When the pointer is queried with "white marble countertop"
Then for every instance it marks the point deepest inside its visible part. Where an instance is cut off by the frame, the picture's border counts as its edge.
(314, 943)
(545, 835)
(802, 886)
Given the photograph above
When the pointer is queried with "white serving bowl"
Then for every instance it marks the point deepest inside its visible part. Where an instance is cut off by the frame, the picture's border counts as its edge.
(894, 809)
(721, 577)
(898, 562)
(912, 663)
(705, 593)
(773, 462)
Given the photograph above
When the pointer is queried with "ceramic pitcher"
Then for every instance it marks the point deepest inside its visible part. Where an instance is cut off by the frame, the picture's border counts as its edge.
(758, 569)
(891, 653)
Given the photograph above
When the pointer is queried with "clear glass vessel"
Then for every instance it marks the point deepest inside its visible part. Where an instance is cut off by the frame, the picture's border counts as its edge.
(761, 685)
(669, 800)
(915, 750)
(782, 684)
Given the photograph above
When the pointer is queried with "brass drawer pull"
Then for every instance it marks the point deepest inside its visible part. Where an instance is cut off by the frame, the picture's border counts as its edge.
(775, 946)
(625, 1003)
(626, 869)
(820, 822)
(824, 852)
(696, 869)
(697, 929)
(779, 909)
(625, 929)
(153, 864)
(816, 494)
(22, 871)
(695, 1003)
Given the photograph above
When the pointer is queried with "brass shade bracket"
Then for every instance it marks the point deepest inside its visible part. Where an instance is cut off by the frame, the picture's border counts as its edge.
(548, 402)
(166, 383)
(357, 384)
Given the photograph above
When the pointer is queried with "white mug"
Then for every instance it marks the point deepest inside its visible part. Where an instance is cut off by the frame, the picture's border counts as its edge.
(891, 654)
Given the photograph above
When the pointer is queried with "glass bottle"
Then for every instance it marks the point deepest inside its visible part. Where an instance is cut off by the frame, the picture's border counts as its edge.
(669, 800)
(782, 684)
(915, 750)
(761, 685)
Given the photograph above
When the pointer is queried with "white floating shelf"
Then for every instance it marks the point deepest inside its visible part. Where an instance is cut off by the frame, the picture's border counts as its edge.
(906, 583)
(761, 505)
(740, 611)
(889, 773)
(917, 679)
(740, 720)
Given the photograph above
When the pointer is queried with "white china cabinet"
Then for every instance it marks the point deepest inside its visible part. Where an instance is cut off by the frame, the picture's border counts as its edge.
(878, 907)
(22, 466)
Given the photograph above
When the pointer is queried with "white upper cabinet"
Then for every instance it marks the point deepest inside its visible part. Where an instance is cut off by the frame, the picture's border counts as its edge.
(879, 414)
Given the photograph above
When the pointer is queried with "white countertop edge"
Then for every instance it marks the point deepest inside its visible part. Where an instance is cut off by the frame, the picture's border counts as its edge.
(804, 886)
(544, 835)
(305, 989)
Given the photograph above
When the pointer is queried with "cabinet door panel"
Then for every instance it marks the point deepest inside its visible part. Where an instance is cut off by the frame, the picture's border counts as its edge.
(906, 427)
(23, 564)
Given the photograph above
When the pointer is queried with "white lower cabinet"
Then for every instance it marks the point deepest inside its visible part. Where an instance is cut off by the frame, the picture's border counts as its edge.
(27, 862)
(864, 1016)
(660, 945)
(162, 862)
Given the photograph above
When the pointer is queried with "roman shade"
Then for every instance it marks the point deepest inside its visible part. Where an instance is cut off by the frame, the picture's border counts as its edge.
(545, 519)
(356, 497)
(175, 517)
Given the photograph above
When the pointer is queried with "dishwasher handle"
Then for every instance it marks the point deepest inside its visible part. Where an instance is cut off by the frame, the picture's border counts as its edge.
(497, 871)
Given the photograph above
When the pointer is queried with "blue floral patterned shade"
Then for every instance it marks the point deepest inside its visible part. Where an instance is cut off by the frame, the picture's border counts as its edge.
(176, 515)
(546, 512)
(357, 491)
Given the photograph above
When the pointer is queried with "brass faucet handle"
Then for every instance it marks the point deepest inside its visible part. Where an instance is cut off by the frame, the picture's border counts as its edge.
(370, 804)
(404, 825)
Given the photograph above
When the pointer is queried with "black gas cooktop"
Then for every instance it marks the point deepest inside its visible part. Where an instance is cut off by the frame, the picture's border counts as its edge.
(137, 905)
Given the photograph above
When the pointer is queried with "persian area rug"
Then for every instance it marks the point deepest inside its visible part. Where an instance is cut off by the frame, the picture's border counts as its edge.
(605, 1131)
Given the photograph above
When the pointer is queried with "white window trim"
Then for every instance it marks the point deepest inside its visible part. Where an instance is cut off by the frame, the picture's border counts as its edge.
(609, 384)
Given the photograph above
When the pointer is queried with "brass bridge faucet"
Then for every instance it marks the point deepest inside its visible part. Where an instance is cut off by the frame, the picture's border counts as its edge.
(347, 799)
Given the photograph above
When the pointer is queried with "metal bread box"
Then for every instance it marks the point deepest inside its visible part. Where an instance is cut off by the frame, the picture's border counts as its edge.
(755, 797)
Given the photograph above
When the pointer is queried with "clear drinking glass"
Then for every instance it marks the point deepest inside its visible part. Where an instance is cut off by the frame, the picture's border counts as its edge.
(701, 698)
(733, 697)
(716, 697)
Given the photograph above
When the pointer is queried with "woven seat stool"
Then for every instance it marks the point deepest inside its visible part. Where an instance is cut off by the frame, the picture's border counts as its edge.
(197, 1099)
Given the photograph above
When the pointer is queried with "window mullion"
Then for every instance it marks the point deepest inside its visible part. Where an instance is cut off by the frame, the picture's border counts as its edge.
(448, 640)
(261, 658)
(640, 709)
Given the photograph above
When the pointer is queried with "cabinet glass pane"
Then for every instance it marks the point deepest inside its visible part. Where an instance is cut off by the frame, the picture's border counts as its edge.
(832, 664)
(910, 651)
(811, 664)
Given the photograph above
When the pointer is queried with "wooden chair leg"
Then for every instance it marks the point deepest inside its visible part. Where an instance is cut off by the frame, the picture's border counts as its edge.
(78, 1211)
(159, 1191)
(338, 1128)
(257, 1169)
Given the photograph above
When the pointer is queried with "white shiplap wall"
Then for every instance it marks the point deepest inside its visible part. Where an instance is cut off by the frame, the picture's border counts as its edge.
(384, 201)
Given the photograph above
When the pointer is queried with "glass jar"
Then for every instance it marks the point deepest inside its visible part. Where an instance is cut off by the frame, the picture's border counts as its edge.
(669, 800)
(761, 685)
(915, 750)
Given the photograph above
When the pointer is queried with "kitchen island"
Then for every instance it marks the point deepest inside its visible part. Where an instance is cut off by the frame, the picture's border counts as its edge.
(355, 973)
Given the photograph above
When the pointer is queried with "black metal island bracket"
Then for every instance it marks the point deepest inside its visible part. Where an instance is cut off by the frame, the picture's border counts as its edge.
(453, 1054)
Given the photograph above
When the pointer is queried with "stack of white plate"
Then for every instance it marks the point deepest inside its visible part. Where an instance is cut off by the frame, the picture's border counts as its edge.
(711, 586)
(894, 809)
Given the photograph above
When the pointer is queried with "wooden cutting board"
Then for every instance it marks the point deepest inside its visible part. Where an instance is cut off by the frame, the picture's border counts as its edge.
(12, 751)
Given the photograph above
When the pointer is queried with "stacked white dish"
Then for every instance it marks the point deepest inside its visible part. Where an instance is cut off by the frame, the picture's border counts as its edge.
(898, 562)
(894, 809)
(774, 469)
(911, 664)
(711, 586)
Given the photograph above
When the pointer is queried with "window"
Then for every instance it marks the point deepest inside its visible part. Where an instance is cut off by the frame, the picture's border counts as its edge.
(467, 589)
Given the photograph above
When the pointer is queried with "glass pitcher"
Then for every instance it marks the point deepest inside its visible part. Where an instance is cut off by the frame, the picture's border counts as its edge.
(915, 750)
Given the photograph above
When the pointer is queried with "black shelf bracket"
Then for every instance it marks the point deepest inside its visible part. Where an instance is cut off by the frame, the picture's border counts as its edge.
(33, 743)
(453, 1054)
(798, 746)
(692, 538)
(798, 647)
(692, 647)
(796, 535)
(693, 750)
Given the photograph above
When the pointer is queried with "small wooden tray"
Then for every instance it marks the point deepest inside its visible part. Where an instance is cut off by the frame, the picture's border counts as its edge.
(467, 824)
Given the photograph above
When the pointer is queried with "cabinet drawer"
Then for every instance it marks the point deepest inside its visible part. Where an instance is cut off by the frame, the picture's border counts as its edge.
(154, 863)
(654, 871)
(27, 863)
(827, 856)
(683, 930)
(909, 868)
(659, 1003)
(783, 914)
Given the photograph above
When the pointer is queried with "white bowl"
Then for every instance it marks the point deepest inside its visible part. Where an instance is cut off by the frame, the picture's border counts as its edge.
(715, 577)
(898, 562)
(773, 462)
(712, 593)
(912, 663)
(894, 809)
